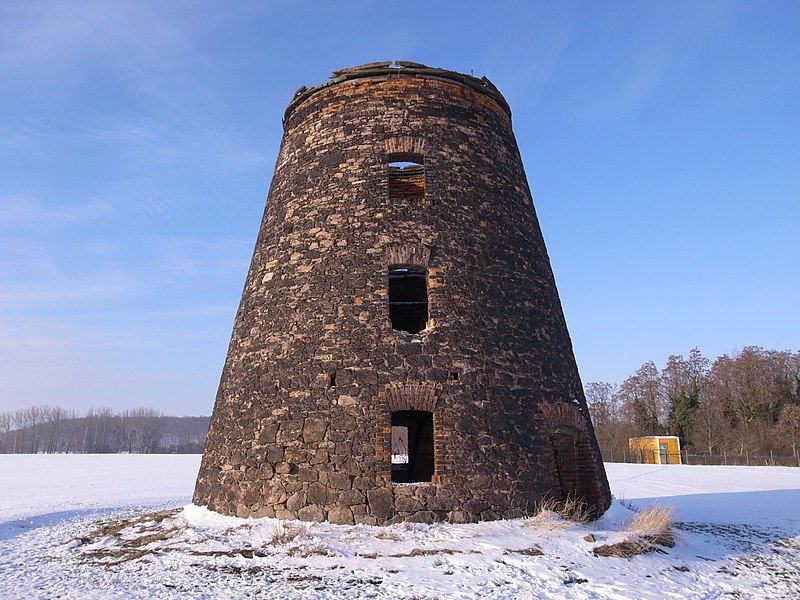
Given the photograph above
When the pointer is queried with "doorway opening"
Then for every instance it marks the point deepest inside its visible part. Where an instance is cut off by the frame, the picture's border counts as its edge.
(566, 455)
(412, 446)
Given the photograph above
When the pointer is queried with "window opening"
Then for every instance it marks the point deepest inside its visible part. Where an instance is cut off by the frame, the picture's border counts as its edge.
(406, 174)
(332, 379)
(412, 446)
(453, 375)
(408, 299)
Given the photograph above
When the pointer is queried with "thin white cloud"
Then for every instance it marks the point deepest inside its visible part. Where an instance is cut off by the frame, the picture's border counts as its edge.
(95, 288)
(53, 36)
(145, 46)
(195, 256)
(33, 276)
(628, 85)
(44, 361)
(24, 211)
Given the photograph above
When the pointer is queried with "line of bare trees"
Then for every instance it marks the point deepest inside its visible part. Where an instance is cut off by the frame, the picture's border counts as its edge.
(54, 429)
(746, 404)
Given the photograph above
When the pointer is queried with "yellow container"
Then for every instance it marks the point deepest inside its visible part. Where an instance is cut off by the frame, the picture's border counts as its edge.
(656, 449)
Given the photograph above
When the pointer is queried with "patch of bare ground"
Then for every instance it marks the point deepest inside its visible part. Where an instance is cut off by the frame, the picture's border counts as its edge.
(115, 526)
(532, 551)
(755, 550)
(426, 552)
(132, 538)
(318, 550)
(626, 548)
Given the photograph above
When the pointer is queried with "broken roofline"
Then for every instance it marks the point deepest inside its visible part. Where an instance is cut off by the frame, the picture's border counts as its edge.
(402, 68)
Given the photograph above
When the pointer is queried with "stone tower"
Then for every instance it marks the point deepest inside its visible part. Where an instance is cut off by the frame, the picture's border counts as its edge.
(400, 352)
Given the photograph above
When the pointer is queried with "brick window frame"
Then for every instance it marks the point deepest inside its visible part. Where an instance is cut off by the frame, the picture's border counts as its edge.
(412, 396)
(408, 260)
(405, 145)
(419, 397)
(413, 256)
(406, 186)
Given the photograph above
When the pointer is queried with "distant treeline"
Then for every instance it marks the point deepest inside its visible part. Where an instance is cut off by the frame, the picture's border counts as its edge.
(53, 429)
(746, 404)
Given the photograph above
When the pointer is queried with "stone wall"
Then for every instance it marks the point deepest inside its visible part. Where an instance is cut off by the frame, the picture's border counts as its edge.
(302, 422)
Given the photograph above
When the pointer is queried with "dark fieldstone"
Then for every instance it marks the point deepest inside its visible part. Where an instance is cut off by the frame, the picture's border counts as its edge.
(311, 512)
(380, 503)
(275, 454)
(341, 515)
(339, 481)
(317, 493)
(423, 516)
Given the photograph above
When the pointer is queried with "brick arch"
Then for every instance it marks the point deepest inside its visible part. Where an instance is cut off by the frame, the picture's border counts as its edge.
(563, 414)
(405, 145)
(408, 255)
(411, 396)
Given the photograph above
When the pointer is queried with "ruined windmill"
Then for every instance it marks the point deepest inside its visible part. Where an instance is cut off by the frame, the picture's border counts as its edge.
(400, 351)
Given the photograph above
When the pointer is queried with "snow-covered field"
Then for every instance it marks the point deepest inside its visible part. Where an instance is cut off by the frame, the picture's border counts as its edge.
(737, 528)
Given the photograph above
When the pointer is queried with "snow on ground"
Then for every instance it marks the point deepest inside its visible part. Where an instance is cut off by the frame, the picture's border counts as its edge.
(52, 487)
(63, 534)
(753, 495)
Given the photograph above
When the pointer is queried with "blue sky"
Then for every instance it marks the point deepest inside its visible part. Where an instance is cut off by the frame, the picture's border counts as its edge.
(661, 142)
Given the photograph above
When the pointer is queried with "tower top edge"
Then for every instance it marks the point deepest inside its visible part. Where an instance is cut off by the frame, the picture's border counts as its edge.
(398, 68)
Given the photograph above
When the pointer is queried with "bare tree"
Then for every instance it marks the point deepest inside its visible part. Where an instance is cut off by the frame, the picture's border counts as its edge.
(788, 427)
(6, 424)
(641, 400)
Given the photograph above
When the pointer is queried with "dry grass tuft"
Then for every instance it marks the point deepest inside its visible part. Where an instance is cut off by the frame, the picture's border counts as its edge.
(555, 515)
(654, 524)
(546, 520)
(649, 528)
(285, 534)
(575, 510)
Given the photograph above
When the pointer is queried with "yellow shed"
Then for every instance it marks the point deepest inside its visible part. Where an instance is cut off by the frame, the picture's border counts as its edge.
(656, 449)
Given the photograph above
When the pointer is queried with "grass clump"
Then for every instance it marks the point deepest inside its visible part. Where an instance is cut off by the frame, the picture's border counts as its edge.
(650, 528)
(284, 534)
(555, 515)
(654, 524)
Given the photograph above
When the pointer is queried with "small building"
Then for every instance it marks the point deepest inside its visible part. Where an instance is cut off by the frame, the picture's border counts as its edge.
(656, 449)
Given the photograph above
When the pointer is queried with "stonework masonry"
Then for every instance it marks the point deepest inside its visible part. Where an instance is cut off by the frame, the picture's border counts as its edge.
(302, 425)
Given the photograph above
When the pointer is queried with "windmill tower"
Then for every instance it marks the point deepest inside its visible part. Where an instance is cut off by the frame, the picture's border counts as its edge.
(400, 351)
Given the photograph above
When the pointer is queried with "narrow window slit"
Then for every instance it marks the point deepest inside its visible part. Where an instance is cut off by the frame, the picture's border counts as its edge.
(332, 379)
(408, 299)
